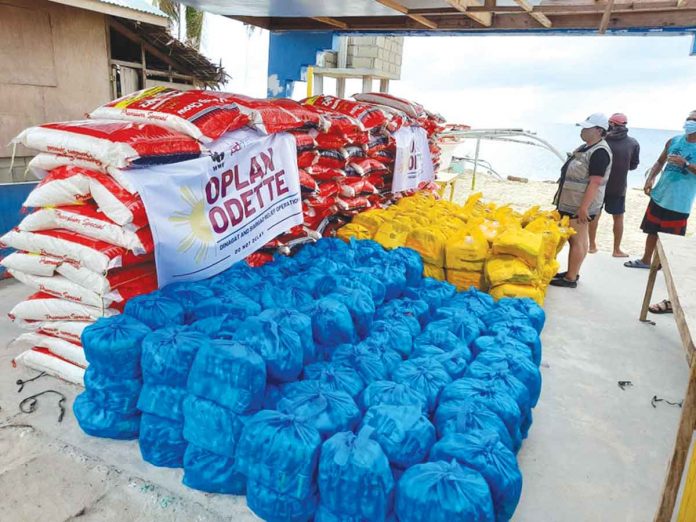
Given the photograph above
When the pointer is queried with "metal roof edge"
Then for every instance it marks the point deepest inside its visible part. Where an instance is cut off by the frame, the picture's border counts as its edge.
(120, 8)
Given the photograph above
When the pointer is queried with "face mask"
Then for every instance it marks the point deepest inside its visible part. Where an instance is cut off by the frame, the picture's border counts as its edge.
(690, 127)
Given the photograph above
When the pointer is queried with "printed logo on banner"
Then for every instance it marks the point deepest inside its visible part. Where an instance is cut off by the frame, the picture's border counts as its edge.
(208, 213)
(413, 164)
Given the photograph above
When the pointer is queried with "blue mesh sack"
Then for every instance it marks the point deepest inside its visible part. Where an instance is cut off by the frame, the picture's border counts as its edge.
(425, 375)
(366, 362)
(209, 472)
(395, 336)
(409, 306)
(231, 303)
(97, 421)
(215, 325)
(241, 275)
(465, 328)
(328, 411)
(482, 451)
(442, 492)
(211, 426)
(434, 292)
(392, 275)
(229, 373)
(279, 347)
(115, 394)
(281, 297)
(496, 399)
(529, 307)
(394, 315)
(168, 353)
(525, 334)
(392, 394)
(187, 295)
(487, 343)
(404, 433)
(112, 345)
(161, 441)
(439, 335)
(465, 415)
(332, 323)
(354, 476)
(474, 301)
(273, 506)
(360, 306)
(455, 362)
(504, 314)
(367, 250)
(310, 281)
(271, 397)
(299, 323)
(163, 401)
(376, 287)
(279, 450)
(155, 310)
(412, 263)
(334, 376)
(521, 367)
(389, 357)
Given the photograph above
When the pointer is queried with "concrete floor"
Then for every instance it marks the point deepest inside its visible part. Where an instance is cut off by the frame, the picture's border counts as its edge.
(595, 452)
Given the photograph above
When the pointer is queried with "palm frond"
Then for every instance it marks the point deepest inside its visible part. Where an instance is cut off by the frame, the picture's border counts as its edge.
(170, 8)
(194, 26)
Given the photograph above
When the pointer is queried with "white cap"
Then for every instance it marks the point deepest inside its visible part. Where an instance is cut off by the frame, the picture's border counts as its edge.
(595, 120)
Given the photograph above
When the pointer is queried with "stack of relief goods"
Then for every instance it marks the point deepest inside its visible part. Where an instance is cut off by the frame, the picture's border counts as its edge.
(485, 246)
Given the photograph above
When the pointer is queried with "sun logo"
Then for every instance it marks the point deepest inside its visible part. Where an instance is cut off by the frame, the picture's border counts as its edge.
(200, 234)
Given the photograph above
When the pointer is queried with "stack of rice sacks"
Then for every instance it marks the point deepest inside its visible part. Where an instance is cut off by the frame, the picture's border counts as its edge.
(339, 384)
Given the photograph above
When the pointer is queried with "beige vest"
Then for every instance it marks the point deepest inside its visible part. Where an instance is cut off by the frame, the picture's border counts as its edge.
(577, 178)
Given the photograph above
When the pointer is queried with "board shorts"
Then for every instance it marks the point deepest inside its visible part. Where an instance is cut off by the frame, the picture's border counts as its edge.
(658, 219)
(575, 216)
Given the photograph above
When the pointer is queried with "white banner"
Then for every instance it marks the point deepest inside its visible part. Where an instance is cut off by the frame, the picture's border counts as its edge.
(413, 164)
(206, 214)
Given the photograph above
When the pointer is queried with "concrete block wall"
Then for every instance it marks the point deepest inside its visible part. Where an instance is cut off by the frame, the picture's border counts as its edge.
(382, 53)
(18, 172)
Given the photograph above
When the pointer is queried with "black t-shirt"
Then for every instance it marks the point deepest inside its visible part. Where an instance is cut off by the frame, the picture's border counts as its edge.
(599, 161)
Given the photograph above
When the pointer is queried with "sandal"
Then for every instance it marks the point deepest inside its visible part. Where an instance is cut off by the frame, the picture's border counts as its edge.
(636, 263)
(561, 275)
(663, 307)
(564, 283)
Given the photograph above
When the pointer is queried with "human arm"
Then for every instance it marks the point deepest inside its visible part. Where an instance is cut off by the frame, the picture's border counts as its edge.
(635, 157)
(656, 169)
(681, 162)
(590, 193)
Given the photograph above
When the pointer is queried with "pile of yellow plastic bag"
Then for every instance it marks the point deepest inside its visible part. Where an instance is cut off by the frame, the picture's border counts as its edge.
(478, 244)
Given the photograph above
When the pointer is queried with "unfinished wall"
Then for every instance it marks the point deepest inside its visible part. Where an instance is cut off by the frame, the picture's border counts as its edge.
(53, 66)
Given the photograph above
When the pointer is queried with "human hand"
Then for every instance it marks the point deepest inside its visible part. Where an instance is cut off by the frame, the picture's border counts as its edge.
(583, 215)
(676, 159)
(648, 187)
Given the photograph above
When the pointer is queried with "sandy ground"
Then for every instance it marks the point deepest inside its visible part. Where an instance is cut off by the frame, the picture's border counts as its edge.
(524, 195)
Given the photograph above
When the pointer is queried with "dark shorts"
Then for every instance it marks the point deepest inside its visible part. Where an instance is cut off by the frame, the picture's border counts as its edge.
(658, 219)
(615, 205)
(574, 216)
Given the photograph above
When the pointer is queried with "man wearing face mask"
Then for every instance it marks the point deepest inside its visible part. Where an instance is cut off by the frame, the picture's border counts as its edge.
(625, 156)
(672, 198)
(581, 192)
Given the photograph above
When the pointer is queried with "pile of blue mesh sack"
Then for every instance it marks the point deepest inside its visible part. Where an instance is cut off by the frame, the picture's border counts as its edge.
(337, 385)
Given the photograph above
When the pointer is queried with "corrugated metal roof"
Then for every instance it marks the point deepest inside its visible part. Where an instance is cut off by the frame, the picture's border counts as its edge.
(137, 5)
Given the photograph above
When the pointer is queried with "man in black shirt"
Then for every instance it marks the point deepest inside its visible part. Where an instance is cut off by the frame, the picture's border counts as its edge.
(626, 156)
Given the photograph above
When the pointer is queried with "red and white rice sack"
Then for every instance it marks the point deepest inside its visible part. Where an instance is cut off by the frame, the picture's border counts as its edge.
(202, 115)
(67, 350)
(277, 115)
(110, 143)
(368, 115)
(42, 360)
(78, 250)
(412, 109)
(67, 330)
(44, 307)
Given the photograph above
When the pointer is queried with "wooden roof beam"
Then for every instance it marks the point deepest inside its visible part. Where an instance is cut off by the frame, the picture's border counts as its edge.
(484, 18)
(539, 17)
(331, 21)
(604, 24)
(396, 6)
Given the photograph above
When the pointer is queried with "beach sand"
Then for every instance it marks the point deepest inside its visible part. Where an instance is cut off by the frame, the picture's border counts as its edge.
(521, 196)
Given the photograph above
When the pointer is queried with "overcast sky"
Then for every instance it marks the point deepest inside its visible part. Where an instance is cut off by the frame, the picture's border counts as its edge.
(510, 80)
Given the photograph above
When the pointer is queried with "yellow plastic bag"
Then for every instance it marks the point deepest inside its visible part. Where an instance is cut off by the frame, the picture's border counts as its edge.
(371, 220)
(429, 243)
(392, 234)
(353, 230)
(514, 290)
(465, 247)
(436, 272)
(464, 279)
(520, 243)
(508, 269)
(551, 236)
(548, 271)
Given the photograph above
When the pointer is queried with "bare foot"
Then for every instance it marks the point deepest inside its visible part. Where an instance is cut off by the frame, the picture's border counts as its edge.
(620, 254)
(593, 250)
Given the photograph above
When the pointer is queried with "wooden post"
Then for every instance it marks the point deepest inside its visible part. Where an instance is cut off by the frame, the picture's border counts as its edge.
(341, 87)
(367, 84)
(384, 85)
(318, 84)
(143, 71)
(651, 285)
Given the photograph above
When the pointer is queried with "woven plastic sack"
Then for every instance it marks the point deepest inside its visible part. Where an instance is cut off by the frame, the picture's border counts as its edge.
(424, 375)
(470, 415)
(442, 492)
(232, 303)
(279, 347)
(229, 373)
(332, 323)
(112, 345)
(211, 426)
(161, 441)
(434, 293)
(527, 335)
(465, 247)
(404, 433)
(98, 421)
(393, 394)
(164, 401)
(187, 295)
(519, 364)
(117, 395)
(530, 308)
(329, 411)
(455, 362)
(475, 301)
(508, 269)
(168, 353)
(483, 452)
(277, 115)
(439, 334)
(354, 476)
(298, 322)
(155, 310)
(520, 243)
(335, 376)
(515, 290)
(211, 473)
(273, 506)
(496, 399)
(360, 306)
(281, 451)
